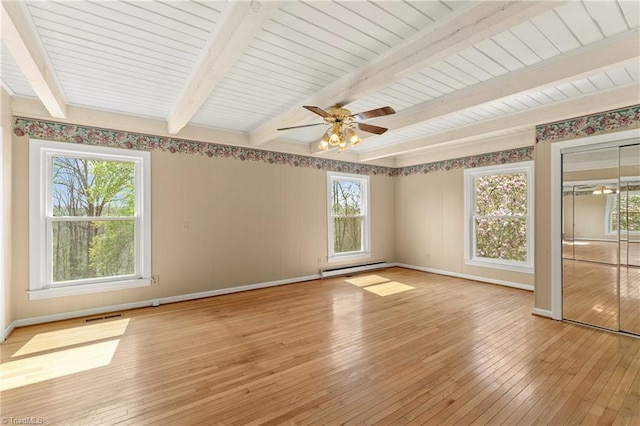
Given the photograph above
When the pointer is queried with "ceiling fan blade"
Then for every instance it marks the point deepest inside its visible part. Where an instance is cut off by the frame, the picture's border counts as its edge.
(371, 128)
(378, 112)
(318, 111)
(302, 125)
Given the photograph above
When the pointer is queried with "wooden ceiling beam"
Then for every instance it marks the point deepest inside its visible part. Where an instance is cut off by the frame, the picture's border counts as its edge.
(238, 26)
(470, 25)
(567, 67)
(26, 52)
(575, 107)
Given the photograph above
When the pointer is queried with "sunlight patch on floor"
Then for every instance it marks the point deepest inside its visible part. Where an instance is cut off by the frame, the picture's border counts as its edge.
(378, 285)
(73, 336)
(367, 280)
(386, 289)
(36, 369)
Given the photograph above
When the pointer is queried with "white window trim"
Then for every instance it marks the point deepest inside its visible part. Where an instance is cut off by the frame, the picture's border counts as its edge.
(608, 214)
(469, 209)
(40, 282)
(366, 237)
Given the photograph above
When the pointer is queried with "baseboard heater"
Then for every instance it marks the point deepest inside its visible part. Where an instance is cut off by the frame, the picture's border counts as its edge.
(351, 269)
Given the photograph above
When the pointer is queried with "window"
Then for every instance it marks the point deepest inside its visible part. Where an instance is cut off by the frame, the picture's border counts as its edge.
(89, 219)
(498, 217)
(629, 213)
(348, 215)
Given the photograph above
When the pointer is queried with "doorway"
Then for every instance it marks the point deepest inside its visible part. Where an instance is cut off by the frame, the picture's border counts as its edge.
(601, 236)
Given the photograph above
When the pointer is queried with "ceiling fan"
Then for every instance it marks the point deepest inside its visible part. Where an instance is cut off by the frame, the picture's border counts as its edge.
(343, 124)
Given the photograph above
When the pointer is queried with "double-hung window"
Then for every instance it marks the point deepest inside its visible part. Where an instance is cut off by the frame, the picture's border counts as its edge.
(629, 213)
(89, 219)
(499, 217)
(348, 214)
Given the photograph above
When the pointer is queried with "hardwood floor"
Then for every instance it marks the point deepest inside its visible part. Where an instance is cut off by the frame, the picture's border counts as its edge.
(433, 350)
(590, 287)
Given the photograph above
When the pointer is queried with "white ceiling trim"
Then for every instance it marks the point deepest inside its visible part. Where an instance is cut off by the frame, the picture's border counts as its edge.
(23, 46)
(238, 26)
(464, 28)
(469, 147)
(588, 104)
(568, 67)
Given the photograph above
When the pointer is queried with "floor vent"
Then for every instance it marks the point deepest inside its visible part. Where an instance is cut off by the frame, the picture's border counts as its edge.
(352, 269)
(102, 318)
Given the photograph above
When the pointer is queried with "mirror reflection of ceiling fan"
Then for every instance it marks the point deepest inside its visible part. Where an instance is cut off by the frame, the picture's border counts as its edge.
(342, 124)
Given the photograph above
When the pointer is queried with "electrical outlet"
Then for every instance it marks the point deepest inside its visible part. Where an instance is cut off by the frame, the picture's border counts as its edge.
(155, 280)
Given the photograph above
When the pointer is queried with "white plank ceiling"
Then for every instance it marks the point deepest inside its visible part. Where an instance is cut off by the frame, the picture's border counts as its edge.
(143, 58)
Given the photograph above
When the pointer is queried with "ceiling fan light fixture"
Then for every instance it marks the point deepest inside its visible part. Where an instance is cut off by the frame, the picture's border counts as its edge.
(342, 123)
(334, 139)
(342, 144)
(353, 138)
(602, 190)
(324, 143)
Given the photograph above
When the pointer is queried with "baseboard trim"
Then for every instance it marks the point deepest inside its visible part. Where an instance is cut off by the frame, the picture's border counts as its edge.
(146, 303)
(466, 276)
(219, 292)
(7, 331)
(542, 313)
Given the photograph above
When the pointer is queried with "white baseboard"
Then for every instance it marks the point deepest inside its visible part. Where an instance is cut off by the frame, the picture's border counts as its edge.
(542, 313)
(218, 292)
(466, 276)
(7, 331)
(145, 303)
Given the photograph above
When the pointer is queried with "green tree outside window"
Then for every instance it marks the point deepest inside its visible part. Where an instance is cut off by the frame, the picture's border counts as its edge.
(500, 217)
(93, 229)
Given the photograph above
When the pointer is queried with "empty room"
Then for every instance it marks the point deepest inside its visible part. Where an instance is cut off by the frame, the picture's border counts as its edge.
(395, 212)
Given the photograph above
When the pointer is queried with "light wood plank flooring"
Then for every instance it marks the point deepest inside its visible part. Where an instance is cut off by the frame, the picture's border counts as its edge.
(424, 349)
(590, 287)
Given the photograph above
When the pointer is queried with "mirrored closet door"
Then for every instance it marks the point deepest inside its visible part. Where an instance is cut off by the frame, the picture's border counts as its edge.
(629, 211)
(601, 237)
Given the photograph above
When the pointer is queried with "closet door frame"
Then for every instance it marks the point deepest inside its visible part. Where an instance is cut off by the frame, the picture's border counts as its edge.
(608, 140)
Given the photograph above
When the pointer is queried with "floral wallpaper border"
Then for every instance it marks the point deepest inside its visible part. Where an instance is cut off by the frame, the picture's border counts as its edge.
(481, 160)
(589, 125)
(39, 129)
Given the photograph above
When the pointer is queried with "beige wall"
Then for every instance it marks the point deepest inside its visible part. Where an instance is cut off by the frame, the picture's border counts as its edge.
(588, 219)
(249, 222)
(430, 226)
(543, 237)
(5, 268)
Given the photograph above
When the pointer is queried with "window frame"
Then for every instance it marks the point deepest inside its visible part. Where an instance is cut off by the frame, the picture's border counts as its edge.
(365, 253)
(41, 153)
(608, 217)
(470, 257)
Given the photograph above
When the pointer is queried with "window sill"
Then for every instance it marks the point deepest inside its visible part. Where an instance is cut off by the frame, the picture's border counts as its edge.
(52, 292)
(525, 269)
(349, 257)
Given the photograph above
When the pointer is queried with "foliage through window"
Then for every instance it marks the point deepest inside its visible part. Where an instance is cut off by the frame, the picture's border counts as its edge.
(85, 191)
(93, 227)
(499, 216)
(348, 214)
(629, 212)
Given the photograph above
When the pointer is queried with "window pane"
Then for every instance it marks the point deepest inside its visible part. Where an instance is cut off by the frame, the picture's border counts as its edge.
(93, 249)
(84, 187)
(501, 195)
(346, 197)
(630, 217)
(500, 238)
(347, 234)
